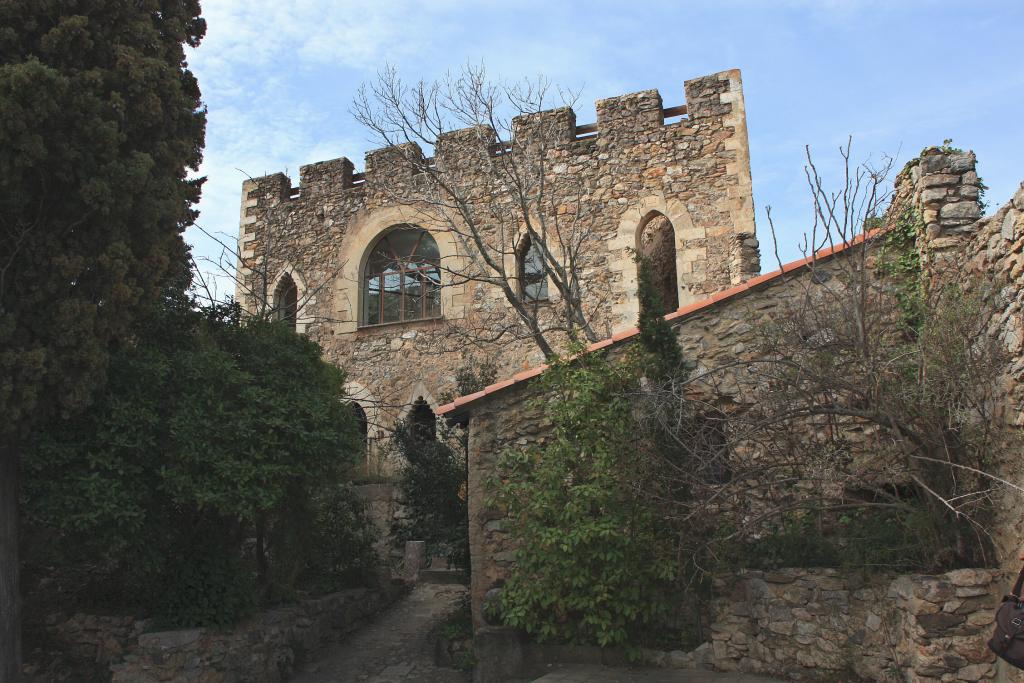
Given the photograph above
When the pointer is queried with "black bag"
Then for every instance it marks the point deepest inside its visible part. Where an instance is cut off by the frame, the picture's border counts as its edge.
(1008, 640)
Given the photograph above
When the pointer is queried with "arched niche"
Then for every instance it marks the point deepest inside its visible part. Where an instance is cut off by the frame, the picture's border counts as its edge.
(289, 299)
(656, 245)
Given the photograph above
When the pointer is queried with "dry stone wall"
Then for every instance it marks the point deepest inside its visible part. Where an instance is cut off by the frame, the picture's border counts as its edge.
(810, 624)
(694, 170)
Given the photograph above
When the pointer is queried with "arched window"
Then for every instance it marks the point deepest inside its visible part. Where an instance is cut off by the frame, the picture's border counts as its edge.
(402, 278)
(361, 422)
(657, 245)
(533, 272)
(422, 423)
(286, 301)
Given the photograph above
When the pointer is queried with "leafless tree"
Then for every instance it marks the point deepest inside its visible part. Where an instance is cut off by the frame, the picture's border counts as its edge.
(493, 186)
(864, 390)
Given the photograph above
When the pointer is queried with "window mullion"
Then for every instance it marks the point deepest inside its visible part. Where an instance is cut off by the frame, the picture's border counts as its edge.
(401, 292)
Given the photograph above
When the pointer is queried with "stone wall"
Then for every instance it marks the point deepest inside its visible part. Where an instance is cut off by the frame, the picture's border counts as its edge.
(264, 649)
(714, 334)
(823, 624)
(985, 253)
(991, 256)
(632, 163)
(940, 621)
(384, 506)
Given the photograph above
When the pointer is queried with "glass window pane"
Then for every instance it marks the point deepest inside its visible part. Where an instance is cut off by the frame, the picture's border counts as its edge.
(433, 293)
(536, 290)
(392, 297)
(403, 242)
(371, 302)
(377, 262)
(389, 296)
(535, 281)
(413, 296)
(427, 250)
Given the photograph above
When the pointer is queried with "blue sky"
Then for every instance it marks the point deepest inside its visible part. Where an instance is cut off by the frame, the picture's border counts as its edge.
(279, 78)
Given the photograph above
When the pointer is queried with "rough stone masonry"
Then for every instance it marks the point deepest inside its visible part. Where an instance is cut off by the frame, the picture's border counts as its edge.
(633, 167)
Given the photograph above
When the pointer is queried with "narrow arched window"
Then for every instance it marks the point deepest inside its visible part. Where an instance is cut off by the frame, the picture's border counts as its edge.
(402, 278)
(533, 272)
(657, 245)
(422, 423)
(286, 301)
(361, 422)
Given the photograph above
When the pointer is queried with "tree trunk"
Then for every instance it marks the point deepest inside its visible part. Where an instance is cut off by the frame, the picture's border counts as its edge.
(10, 598)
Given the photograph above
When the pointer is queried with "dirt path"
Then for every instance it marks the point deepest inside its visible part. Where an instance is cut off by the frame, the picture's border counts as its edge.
(393, 648)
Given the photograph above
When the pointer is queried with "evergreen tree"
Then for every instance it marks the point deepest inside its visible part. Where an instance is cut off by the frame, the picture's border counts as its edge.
(100, 121)
(656, 335)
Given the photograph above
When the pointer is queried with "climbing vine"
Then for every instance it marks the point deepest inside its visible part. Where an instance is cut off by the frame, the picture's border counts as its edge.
(899, 262)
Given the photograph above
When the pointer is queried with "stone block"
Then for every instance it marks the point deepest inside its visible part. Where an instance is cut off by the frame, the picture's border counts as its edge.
(933, 195)
(960, 210)
(962, 163)
(939, 179)
(1008, 227)
(969, 577)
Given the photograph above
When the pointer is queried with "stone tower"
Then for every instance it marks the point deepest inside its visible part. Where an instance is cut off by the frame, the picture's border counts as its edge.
(671, 183)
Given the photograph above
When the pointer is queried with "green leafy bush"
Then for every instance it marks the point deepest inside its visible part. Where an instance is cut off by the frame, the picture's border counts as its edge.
(594, 562)
(218, 444)
(433, 479)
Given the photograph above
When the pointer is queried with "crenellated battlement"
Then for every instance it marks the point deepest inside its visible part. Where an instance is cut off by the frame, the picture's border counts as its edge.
(620, 119)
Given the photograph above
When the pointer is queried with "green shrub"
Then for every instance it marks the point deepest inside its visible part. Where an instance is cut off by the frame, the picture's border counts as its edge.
(433, 486)
(213, 431)
(594, 562)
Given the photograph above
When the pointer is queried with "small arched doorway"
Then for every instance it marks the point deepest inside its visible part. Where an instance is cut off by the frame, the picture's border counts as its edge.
(656, 244)
(422, 422)
(362, 423)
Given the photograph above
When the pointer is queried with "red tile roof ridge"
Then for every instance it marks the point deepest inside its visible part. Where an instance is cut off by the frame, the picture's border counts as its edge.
(680, 312)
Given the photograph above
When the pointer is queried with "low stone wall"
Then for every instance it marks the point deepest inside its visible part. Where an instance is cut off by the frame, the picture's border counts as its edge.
(264, 649)
(810, 624)
(384, 506)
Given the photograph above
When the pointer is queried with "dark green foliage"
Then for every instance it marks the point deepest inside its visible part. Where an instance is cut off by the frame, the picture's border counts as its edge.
(213, 431)
(433, 479)
(594, 564)
(99, 123)
(433, 485)
(656, 335)
(869, 539)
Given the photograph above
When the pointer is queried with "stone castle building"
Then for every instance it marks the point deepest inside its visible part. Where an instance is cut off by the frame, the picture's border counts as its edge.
(370, 276)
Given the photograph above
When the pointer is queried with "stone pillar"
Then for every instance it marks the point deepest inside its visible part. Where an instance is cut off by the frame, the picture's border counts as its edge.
(415, 560)
(945, 191)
